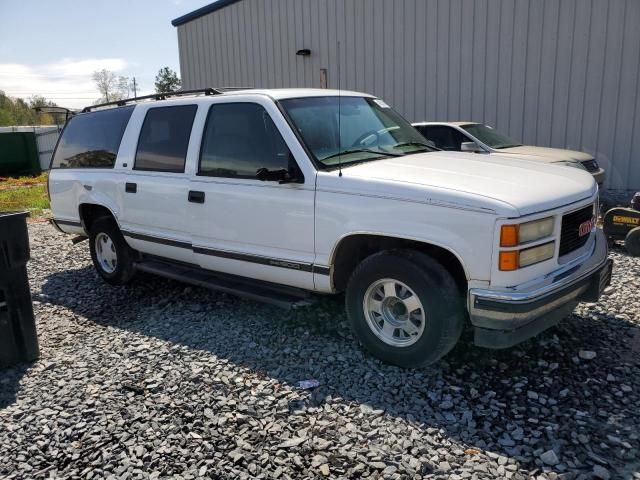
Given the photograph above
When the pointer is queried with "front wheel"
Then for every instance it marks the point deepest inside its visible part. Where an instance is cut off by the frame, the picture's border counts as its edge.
(405, 308)
(112, 257)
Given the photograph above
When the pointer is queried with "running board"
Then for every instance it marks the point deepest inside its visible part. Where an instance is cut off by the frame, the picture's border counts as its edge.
(274, 294)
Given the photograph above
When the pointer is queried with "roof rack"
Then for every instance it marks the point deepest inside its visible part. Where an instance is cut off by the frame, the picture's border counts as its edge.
(164, 96)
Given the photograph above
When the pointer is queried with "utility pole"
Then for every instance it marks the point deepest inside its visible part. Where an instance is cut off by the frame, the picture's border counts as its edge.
(135, 94)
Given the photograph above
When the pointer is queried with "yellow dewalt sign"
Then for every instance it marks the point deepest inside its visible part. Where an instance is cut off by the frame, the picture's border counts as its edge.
(626, 220)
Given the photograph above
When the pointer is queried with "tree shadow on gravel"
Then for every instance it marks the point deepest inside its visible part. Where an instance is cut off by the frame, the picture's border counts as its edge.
(516, 403)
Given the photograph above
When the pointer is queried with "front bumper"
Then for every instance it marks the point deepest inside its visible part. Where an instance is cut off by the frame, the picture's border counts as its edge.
(503, 318)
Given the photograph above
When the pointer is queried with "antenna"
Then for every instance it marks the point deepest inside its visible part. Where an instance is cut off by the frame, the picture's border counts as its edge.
(339, 116)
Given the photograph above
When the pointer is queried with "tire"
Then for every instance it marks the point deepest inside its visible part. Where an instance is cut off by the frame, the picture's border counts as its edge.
(632, 242)
(112, 257)
(393, 330)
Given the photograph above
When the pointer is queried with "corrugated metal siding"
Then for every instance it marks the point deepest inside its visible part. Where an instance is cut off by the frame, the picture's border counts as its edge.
(561, 73)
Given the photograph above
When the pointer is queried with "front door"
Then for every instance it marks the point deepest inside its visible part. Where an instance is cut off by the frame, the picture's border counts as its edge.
(242, 225)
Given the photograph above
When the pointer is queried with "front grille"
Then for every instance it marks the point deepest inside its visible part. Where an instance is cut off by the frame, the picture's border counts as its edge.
(570, 238)
(590, 165)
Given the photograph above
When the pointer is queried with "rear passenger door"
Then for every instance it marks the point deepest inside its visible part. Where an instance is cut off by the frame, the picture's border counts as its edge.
(241, 225)
(154, 192)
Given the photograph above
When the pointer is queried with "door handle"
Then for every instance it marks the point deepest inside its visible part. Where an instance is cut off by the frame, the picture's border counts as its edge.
(196, 196)
(130, 187)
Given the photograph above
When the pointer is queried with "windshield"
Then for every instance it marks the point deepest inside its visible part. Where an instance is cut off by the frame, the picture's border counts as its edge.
(489, 136)
(344, 130)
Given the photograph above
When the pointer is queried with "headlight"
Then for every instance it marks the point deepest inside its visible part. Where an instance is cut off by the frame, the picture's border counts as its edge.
(522, 234)
(515, 259)
(514, 235)
(538, 254)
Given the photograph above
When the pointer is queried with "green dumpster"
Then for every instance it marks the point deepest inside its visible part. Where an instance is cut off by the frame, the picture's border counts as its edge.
(18, 336)
(19, 154)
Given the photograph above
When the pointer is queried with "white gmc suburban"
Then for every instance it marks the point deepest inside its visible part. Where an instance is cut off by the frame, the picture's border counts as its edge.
(273, 194)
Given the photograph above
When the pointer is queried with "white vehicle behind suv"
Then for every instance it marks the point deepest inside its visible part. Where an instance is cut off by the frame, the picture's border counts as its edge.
(273, 194)
(479, 138)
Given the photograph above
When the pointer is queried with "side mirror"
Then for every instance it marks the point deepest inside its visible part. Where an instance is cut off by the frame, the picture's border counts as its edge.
(280, 176)
(472, 147)
(266, 175)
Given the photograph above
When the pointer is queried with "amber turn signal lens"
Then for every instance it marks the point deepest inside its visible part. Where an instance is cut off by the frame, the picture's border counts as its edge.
(509, 236)
(508, 261)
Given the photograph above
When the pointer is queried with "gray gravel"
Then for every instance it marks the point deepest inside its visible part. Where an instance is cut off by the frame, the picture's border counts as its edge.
(159, 379)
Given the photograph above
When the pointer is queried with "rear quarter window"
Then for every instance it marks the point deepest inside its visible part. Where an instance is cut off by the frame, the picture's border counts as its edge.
(92, 140)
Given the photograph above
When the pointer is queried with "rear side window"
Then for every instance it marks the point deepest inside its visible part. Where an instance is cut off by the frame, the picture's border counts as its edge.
(164, 138)
(92, 140)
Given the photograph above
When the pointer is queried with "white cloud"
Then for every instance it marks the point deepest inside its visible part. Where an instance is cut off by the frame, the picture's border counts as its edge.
(66, 82)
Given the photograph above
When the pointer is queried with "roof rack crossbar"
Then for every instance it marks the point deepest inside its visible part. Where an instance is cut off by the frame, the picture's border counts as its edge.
(163, 96)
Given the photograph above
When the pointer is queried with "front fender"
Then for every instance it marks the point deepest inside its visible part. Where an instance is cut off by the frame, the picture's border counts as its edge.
(467, 234)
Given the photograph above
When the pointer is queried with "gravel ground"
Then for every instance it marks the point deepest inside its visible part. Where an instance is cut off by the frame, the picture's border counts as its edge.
(159, 379)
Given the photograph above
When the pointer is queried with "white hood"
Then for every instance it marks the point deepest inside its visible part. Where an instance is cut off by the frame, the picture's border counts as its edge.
(505, 185)
(552, 154)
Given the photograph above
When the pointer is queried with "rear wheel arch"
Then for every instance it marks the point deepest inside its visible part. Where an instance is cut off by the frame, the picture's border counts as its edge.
(352, 249)
(90, 212)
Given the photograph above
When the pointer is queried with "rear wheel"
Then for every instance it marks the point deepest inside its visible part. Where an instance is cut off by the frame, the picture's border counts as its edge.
(112, 257)
(632, 242)
(405, 307)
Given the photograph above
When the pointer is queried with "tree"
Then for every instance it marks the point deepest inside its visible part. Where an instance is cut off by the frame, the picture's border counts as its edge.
(111, 86)
(15, 111)
(167, 81)
(36, 101)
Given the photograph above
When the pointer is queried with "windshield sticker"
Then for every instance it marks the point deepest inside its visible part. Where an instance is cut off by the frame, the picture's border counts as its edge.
(380, 103)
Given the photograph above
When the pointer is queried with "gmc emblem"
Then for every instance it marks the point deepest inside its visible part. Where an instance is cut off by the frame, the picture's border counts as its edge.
(586, 227)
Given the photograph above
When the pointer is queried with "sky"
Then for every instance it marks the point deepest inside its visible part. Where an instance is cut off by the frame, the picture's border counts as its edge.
(51, 48)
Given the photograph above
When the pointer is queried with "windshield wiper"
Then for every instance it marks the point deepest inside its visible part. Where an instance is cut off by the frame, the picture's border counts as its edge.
(408, 144)
(361, 150)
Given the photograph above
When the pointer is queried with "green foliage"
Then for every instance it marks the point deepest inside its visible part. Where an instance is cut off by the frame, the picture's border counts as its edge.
(167, 81)
(15, 111)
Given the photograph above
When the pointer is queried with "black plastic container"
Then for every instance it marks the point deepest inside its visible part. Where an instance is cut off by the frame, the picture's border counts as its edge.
(18, 337)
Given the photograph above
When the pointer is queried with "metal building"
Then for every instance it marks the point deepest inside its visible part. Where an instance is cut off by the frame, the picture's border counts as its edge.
(561, 73)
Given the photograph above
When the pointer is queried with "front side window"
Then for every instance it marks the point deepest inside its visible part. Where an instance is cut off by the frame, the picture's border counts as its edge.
(352, 129)
(489, 136)
(445, 138)
(164, 138)
(240, 139)
(92, 140)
